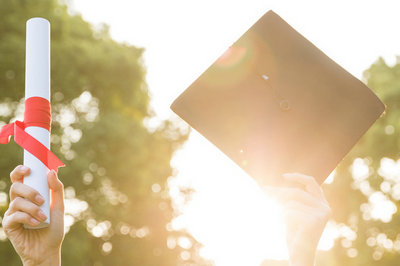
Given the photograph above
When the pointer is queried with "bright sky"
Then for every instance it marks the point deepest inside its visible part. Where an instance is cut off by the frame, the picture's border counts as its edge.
(228, 213)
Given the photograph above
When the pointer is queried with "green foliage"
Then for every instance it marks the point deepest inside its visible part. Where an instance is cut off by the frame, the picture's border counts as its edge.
(377, 241)
(99, 103)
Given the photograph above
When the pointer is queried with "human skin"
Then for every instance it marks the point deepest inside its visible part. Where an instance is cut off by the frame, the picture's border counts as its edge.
(306, 212)
(36, 247)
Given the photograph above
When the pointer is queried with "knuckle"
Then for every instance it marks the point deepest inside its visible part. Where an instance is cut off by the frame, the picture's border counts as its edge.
(20, 217)
(4, 223)
(14, 187)
(14, 172)
(12, 205)
(61, 185)
(18, 200)
(15, 203)
(32, 194)
(16, 216)
(35, 209)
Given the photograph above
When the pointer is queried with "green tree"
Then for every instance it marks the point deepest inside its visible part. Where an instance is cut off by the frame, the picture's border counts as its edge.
(367, 202)
(116, 176)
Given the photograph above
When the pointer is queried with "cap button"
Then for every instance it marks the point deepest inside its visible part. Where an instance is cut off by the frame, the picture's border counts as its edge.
(284, 105)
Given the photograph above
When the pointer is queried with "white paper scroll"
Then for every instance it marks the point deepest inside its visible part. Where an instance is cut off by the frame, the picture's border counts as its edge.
(37, 83)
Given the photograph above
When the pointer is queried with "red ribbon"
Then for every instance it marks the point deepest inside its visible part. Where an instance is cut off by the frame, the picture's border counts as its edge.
(37, 113)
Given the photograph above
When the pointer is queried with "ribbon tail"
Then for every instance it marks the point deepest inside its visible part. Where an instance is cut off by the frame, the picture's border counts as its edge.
(6, 132)
(36, 148)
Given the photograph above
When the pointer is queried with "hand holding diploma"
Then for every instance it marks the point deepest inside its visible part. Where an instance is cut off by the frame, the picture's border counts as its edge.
(41, 246)
(33, 134)
(306, 213)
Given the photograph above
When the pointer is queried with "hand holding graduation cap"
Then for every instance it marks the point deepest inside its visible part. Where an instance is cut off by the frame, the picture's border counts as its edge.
(40, 246)
(306, 213)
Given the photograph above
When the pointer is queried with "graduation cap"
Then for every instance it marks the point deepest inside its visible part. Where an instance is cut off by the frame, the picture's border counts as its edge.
(274, 103)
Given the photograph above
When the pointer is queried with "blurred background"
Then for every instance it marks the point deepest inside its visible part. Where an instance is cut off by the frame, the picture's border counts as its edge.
(141, 188)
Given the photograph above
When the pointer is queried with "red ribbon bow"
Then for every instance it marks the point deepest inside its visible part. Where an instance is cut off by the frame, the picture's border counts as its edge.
(37, 113)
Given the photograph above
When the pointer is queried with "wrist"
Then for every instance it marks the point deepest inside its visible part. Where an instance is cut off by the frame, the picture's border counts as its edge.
(52, 259)
(304, 261)
(303, 257)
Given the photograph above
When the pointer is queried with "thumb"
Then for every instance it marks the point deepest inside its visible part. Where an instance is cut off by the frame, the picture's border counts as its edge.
(56, 192)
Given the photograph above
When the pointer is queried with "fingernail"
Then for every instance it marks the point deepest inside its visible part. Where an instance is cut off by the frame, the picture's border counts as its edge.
(34, 221)
(39, 199)
(42, 215)
(24, 168)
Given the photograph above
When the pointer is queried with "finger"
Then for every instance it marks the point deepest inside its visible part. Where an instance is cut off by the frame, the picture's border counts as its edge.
(16, 219)
(321, 212)
(321, 206)
(287, 194)
(56, 191)
(24, 191)
(297, 218)
(299, 215)
(17, 175)
(24, 205)
(309, 182)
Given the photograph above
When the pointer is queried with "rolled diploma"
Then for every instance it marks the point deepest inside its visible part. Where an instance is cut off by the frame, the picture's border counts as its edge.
(37, 83)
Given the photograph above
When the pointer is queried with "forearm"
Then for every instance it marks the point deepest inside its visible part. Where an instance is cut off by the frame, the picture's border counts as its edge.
(308, 263)
(303, 256)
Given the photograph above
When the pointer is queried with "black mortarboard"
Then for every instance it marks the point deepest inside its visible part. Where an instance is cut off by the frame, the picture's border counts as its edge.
(274, 103)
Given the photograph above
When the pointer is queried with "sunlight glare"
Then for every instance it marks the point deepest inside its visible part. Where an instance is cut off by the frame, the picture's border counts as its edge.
(237, 223)
(228, 213)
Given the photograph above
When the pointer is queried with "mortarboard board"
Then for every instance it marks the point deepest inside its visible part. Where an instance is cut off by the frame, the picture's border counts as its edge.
(274, 103)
